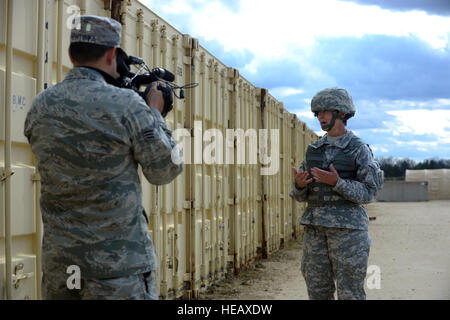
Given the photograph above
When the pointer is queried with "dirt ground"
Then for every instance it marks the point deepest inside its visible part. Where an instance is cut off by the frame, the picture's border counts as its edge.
(410, 249)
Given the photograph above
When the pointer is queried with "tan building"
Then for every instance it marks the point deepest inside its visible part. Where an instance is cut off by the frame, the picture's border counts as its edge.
(438, 181)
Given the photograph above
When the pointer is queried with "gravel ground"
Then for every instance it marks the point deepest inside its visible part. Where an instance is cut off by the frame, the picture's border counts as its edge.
(410, 249)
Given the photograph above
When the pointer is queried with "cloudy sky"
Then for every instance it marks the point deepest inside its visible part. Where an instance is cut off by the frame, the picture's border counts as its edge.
(393, 56)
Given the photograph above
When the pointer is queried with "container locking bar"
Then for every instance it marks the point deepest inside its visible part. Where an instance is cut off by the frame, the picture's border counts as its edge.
(19, 275)
(5, 174)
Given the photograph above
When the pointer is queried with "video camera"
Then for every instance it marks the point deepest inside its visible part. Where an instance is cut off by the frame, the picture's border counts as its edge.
(134, 81)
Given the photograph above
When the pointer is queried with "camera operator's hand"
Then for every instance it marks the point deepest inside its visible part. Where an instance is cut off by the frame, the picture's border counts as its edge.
(155, 98)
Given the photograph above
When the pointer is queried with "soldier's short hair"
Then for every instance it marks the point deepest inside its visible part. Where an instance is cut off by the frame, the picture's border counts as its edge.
(83, 52)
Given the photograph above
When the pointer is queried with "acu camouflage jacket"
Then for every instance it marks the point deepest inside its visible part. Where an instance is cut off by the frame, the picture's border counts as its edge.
(354, 192)
(88, 138)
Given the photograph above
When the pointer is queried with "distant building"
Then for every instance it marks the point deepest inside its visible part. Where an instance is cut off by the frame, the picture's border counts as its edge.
(438, 182)
(399, 190)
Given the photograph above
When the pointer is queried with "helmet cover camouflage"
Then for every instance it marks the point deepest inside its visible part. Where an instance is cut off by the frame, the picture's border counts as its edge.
(333, 99)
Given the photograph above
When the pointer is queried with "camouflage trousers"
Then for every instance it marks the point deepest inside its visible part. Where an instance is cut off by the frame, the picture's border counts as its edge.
(133, 287)
(335, 257)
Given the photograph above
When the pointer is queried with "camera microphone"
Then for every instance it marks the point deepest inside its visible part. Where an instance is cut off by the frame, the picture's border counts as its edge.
(134, 81)
(164, 74)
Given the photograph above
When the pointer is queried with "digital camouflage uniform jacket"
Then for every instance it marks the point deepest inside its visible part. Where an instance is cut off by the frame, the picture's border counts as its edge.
(88, 138)
(359, 191)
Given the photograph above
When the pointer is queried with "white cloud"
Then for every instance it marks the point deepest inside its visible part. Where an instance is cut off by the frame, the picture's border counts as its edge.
(305, 114)
(270, 30)
(421, 121)
(282, 92)
(320, 133)
(398, 104)
(267, 28)
(442, 103)
(416, 143)
(379, 149)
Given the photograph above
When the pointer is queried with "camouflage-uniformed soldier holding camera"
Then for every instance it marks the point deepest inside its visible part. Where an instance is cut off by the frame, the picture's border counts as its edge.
(338, 175)
(89, 136)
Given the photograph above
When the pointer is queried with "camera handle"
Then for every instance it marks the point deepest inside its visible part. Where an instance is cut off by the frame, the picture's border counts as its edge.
(167, 96)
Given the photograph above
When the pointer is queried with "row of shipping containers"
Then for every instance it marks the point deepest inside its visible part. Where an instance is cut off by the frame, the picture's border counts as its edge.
(230, 205)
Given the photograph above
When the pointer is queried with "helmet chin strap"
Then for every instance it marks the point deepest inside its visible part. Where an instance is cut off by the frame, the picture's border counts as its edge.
(333, 120)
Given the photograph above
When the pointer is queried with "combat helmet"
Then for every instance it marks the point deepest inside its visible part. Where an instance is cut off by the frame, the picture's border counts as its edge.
(334, 99)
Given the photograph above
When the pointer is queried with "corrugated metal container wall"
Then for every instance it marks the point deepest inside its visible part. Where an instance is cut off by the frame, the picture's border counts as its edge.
(20, 79)
(219, 214)
(244, 124)
(271, 178)
(160, 45)
(286, 161)
(299, 145)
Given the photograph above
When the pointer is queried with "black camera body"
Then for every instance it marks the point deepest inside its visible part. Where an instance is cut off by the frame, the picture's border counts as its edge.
(134, 81)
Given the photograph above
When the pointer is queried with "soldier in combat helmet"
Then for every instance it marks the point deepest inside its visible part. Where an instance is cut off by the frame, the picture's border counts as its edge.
(89, 135)
(337, 176)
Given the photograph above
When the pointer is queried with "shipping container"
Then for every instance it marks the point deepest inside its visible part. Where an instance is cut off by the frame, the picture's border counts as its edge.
(231, 204)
